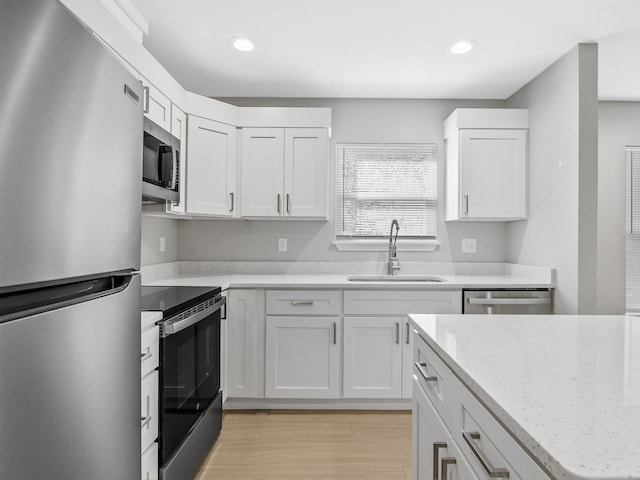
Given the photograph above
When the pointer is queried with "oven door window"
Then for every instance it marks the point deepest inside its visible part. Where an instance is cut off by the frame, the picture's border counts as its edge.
(190, 378)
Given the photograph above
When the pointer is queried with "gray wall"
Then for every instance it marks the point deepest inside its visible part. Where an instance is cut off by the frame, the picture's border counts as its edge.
(619, 126)
(561, 229)
(353, 120)
(152, 229)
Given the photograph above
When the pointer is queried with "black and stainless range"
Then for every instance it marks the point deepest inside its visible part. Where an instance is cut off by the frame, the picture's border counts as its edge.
(190, 394)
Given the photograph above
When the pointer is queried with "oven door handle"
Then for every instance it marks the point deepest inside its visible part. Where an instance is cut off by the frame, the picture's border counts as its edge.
(169, 327)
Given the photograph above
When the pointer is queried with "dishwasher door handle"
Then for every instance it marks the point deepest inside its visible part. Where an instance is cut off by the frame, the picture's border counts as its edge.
(509, 301)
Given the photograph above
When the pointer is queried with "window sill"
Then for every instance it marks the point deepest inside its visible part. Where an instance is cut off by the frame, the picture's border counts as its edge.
(383, 245)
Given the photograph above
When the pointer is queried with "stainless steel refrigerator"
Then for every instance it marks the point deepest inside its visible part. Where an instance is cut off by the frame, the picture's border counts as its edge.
(70, 187)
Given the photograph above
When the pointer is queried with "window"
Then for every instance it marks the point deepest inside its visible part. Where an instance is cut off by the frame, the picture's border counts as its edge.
(377, 183)
(632, 230)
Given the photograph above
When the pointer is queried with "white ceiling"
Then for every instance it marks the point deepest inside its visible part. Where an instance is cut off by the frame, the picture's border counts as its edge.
(388, 48)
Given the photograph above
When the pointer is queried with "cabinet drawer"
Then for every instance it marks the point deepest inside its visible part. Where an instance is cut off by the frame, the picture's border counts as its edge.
(433, 376)
(485, 443)
(303, 302)
(150, 463)
(150, 350)
(149, 410)
(381, 302)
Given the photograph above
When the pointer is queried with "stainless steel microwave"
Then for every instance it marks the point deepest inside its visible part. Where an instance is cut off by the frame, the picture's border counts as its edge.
(160, 164)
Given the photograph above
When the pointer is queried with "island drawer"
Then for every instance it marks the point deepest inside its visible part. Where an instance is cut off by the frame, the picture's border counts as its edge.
(433, 376)
(486, 443)
(401, 302)
(304, 302)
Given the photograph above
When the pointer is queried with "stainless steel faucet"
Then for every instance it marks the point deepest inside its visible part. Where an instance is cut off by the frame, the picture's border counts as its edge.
(393, 264)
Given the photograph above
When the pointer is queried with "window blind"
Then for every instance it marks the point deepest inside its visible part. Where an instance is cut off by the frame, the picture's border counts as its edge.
(632, 229)
(379, 182)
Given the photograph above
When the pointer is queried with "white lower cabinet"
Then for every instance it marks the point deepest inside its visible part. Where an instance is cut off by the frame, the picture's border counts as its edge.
(325, 344)
(240, 343)
(302, 357)
(373, 348)
(150, 463)
(446, 412)
(435, 455)
(149, 393)
(378, 345)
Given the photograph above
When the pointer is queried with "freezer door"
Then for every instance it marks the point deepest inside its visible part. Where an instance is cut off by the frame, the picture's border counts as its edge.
(70, 149)
(70, 391)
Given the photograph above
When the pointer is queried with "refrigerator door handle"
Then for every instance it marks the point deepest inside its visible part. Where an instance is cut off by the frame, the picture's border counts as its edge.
(24, 303)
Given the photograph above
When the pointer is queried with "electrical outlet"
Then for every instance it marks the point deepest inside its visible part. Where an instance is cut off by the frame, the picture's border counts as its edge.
(468, 245)
(163, 244)
(282, 244)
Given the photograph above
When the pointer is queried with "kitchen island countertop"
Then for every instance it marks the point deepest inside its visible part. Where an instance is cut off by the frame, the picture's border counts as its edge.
(566, 387)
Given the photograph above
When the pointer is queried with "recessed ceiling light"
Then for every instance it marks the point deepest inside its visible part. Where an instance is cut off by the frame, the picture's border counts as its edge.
(462, 46)
(243, 44)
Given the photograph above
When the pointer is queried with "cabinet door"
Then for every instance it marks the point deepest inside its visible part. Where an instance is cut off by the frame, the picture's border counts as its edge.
(433, 448)
(306, 167)
(179, 130)
(240, 346)
(150, 463)
(372, 357)
(302, 357)
(157, 107)
(493, 174)
(212, 167)
(262, 172)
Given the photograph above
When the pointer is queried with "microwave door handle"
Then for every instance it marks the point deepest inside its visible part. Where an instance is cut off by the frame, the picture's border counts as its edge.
(165, 174)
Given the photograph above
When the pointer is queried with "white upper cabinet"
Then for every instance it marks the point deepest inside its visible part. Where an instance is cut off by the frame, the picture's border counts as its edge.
(285, 172)
(211, 176)
(486, 164)
(157, 107)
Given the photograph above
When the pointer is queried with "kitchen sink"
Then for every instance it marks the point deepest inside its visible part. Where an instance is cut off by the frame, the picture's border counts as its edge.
(395, 278)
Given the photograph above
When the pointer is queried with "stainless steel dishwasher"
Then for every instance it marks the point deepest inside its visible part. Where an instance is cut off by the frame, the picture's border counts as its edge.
(513, 302)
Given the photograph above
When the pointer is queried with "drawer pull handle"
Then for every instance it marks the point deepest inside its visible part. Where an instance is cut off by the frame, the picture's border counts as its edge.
(510, 301)
(470, 438)
(445, 462)
(145, 356)
(427, 378)
(436, 457)
(335, 333)
(298, 303)
(144, 421)
(397, 333)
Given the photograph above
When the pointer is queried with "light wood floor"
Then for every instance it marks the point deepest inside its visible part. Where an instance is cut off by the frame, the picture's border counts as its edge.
(305, 445)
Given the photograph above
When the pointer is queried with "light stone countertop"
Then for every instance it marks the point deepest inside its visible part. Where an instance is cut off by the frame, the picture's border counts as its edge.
(325, 275)
(567, 387)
